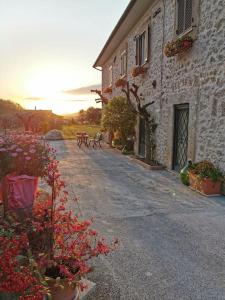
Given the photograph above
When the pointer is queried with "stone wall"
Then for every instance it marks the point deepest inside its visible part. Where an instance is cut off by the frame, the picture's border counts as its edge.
(196, 77)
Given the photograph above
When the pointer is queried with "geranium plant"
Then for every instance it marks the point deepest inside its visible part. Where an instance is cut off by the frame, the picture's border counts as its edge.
(205, 178)
(173, 48)
(206, 169)
(139, 70)
(22, 154)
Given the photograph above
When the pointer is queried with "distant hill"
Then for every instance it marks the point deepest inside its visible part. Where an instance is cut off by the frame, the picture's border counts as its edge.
(8, 107)
(72, 115)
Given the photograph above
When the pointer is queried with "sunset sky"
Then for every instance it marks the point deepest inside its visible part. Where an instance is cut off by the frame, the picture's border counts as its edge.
(48, 47)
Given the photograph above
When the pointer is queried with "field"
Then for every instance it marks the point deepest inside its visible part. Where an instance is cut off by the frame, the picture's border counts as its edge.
(70, 131)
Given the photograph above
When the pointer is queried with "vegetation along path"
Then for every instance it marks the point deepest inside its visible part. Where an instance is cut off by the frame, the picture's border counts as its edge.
(172, 240)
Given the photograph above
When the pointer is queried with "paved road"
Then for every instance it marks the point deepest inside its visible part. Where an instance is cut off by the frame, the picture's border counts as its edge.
(172, 239)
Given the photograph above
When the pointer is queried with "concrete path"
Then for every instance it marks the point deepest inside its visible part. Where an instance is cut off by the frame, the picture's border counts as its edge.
(172, 240)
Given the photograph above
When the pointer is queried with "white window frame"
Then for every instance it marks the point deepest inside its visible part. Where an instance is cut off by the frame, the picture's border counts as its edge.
(123, 64)
(110, 75)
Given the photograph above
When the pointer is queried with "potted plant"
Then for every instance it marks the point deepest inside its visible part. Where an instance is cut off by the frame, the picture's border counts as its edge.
(53, 247)
(205, 178)
(138, 70)
(72, 242)
(23, 158)
(173, 48)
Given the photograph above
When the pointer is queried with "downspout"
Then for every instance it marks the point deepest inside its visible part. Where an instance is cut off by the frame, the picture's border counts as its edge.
(162, 61)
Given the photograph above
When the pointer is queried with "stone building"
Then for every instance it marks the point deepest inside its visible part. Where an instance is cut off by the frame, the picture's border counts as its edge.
(188, 88)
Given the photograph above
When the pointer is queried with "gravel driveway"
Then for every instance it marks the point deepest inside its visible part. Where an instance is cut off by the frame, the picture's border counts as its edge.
(172, 240)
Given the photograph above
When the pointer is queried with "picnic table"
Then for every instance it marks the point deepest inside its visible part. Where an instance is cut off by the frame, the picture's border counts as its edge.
(82, 138)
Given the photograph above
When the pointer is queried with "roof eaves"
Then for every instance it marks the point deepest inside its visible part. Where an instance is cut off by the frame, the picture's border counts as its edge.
(122, 18)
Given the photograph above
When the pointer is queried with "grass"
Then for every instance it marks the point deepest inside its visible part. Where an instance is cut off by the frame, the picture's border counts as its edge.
(70, 131)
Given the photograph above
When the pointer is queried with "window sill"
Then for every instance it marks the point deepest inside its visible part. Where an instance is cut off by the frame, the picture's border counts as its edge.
(191, 31)
(144, 65)
(123, 76)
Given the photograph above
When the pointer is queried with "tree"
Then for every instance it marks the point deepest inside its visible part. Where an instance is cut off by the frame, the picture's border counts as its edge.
(9, 107)
(140, 108)
(93, 115)
(119, 116)
(82, 116)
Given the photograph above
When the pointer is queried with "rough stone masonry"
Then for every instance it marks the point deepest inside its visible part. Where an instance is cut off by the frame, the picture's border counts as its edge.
(196, 77)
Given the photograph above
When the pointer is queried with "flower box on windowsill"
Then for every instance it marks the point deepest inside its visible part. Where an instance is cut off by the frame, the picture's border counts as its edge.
(108, 90)
(120, 83)
(182, 44)
(139, 70)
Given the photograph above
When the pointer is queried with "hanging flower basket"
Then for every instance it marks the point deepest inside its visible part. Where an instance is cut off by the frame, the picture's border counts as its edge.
(108, 90)
(120, 83)
(140, 70)
(173, 48)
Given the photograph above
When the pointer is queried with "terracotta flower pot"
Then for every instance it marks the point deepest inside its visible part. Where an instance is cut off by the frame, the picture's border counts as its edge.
(205, 185)
(65, 293)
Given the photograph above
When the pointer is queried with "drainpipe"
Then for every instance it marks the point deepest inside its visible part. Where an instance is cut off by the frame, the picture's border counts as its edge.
(162, 60)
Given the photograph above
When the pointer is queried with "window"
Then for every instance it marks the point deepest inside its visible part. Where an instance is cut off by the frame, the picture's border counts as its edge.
(184, 15)
(110, 75)
(143, 47)
(123, 64)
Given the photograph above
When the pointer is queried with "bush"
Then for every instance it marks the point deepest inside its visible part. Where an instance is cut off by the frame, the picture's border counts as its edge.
(118, 116)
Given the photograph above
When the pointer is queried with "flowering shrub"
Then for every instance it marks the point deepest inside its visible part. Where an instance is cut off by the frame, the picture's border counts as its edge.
(120, 82)
(73, 242)
(175, 47)
(23, 155)
(54, 243)
(139, 70)
(108, 90)
(17, 268)
(206, 169)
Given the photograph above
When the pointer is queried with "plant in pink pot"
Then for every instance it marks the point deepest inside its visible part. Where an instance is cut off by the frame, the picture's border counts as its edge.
(23, 159)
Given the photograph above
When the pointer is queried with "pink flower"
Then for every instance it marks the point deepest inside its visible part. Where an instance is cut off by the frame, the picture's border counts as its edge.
(14, 154)
(32, 151)
(25, 153)
(28, 158)
(13, 147)
(3, 149)
(19, 150)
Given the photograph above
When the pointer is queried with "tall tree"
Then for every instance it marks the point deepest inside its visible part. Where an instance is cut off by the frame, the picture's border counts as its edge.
(94, 115)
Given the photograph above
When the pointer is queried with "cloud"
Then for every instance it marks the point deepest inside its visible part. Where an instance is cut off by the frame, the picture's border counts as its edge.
(83, 90)
(34, 98)
(77, 100)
